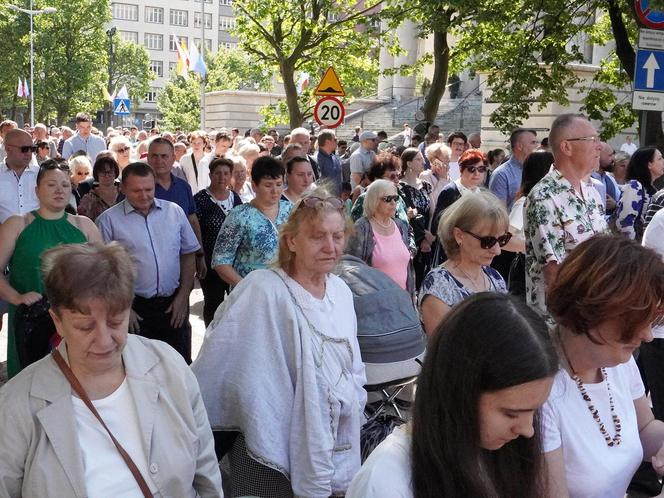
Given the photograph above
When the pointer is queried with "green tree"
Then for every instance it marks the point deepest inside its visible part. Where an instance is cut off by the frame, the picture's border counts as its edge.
(180, 102)
(71, 55)
(307, 36)
(234, 70)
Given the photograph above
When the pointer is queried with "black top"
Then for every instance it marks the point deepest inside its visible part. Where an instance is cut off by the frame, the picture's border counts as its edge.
(211, 217)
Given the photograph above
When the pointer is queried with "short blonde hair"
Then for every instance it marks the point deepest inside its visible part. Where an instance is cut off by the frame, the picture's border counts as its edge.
(436, 149)
(466, 214)
(77, 272)
(248, 149)
(79, 161)
(299, 215)
(119, 140)
(376, 190)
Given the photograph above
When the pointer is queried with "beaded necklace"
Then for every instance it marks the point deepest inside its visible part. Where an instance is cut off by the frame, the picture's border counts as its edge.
(610, 441)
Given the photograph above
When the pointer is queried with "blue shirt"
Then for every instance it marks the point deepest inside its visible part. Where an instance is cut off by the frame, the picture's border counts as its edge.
(330, 168)
(248, 240)
(179, 192)
(156, 249)
(506, 181)
(91, 145)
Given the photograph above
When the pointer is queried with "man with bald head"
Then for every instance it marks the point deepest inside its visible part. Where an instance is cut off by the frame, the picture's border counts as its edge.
(301, 136)
(562, 210)
(18, 177)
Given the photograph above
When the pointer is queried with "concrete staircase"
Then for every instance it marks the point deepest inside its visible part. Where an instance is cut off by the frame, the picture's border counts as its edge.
(453, 115)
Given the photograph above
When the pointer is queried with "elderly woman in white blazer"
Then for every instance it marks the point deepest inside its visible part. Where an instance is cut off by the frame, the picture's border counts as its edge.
(51, 444)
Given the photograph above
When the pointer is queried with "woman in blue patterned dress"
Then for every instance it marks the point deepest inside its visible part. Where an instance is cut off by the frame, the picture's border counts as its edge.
(248, 239)
(645, 166)
(472, 231)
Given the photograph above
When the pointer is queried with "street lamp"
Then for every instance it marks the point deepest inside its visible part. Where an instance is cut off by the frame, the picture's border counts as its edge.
(32, 13)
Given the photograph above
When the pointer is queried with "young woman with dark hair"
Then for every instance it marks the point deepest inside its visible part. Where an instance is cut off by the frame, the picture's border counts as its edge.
(645, 166)
(475, 430)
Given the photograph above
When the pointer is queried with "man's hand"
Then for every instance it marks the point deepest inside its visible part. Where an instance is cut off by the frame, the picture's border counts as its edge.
(425, 246)
(201, 267)
(610, 203)
(179, 309)
(29, 298)
(134, 326)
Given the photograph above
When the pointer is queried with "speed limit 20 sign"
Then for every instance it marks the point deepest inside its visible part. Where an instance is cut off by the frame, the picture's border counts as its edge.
(330, 112)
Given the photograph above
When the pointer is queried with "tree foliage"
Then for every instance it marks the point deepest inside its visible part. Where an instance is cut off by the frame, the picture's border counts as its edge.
(298, 36)
(234, 70)
(180, 103)
(131, 67)
(70, 57)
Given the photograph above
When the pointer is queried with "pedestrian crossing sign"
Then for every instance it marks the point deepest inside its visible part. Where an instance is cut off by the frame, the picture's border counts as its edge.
(330, 86)
(121, 107)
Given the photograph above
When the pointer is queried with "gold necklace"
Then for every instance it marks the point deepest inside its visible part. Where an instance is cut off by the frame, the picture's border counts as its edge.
(472, 280)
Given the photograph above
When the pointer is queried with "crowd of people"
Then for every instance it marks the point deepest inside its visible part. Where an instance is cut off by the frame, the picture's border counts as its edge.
(534, 273)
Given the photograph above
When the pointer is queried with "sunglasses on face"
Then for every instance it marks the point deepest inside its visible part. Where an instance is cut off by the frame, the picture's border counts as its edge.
(479, 169)
(25, 148)
(489, 241)
(122, 150)
(389, 198)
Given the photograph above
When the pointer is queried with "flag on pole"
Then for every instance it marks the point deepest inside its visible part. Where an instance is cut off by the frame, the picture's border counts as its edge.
(123, 93)
(183, 59)
(19, 89)
(26, 88)
(196, 62)
(106, 95)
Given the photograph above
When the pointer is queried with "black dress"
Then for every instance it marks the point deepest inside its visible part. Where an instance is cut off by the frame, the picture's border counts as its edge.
(420, 199)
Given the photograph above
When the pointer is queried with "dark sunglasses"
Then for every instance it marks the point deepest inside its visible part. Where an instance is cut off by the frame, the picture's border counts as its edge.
(25, 148)
(314, 202)
(389, 198)
(489, 241)
(123, 149)
(480, 169)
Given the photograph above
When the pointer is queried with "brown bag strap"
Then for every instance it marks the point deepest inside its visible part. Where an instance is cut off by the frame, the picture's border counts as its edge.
(78, 389)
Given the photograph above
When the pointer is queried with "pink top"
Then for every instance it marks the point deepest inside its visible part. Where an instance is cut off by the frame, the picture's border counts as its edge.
(391, 256)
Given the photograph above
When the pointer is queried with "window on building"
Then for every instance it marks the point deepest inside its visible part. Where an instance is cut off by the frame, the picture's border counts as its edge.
(154, 15)
(125, 11)
(172, 66)
(197, 20)
(228, 45)
(226, 2)
(157, 68)
(208, 44)
(154, 41)
(151, 96)
(206, 1)
(179, 17)
(130, 36)
(226, 23)
(184, 41)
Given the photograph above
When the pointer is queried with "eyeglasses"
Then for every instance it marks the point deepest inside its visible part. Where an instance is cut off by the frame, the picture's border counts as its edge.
(314, 202)
(82, 173)
(122, 150)
(489, 241)
(108, 172)
(389, 198)
(472, 169)
(24, 148)
(584, 139)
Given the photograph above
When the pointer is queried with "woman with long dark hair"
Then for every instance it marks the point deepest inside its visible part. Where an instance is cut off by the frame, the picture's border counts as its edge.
(645, 166)
(475, 430)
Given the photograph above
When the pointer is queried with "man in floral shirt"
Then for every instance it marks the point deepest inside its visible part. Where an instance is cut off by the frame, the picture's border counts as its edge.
(563, 209)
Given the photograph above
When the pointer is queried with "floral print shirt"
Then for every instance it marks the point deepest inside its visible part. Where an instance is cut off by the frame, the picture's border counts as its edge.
(440, 283)
(631, 210)
(248, 240)
(557, 220)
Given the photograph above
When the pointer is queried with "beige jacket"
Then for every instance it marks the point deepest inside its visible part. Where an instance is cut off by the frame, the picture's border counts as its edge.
(39, 452)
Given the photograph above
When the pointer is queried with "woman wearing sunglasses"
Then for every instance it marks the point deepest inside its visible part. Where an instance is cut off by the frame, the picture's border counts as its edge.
(472, 231)
(381, 240)
(280, 366)
(23, 239)
(121, 149)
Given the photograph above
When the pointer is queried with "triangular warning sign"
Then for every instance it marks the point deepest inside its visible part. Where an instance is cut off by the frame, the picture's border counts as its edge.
(330, 85)
(121, 108)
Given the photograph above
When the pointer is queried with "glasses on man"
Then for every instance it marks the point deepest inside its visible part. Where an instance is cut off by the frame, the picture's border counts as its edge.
(584, 139)
(489, 241)
(389, 198)
(24, 148)
(479, 169)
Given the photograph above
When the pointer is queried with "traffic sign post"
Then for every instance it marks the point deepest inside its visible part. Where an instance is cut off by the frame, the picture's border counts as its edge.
(648, 92)
(329, 85)
(330, 112)
(121, 107)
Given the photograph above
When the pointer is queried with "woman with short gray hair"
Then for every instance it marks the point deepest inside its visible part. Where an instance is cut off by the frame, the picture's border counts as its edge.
(381, 240)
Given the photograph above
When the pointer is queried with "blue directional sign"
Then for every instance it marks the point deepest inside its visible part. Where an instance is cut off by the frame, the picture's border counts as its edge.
(121, 107)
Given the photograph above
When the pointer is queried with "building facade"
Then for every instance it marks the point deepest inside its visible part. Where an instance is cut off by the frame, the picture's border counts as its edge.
(155, 24)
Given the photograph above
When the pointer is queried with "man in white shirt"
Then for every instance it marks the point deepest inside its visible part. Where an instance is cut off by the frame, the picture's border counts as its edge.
(18, 177)
(628, 147)
(84, 140)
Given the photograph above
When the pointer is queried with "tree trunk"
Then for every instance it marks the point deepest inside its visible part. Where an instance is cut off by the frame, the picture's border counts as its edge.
(288, 76)
(441, 57)
(650, 122)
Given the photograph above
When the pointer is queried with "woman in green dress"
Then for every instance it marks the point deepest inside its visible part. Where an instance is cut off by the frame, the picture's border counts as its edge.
(23, 239)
